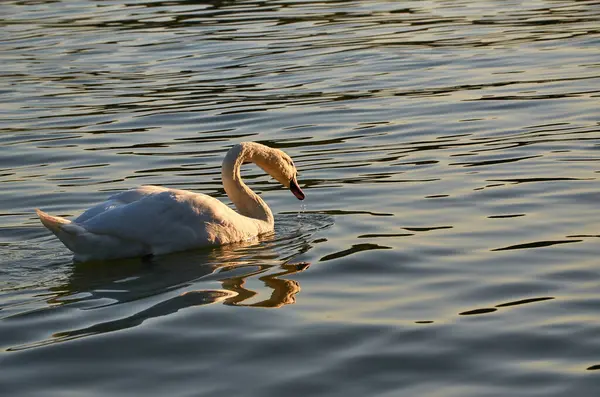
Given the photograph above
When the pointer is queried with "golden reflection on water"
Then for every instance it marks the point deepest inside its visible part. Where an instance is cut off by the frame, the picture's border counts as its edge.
(105, 284)
(283, 291)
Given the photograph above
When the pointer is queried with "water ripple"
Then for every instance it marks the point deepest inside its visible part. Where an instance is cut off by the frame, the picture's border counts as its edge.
(448, 150)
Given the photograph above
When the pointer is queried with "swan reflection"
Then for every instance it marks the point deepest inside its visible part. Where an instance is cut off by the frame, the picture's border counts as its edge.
(283, 292)
(229, 267)
(163, 285)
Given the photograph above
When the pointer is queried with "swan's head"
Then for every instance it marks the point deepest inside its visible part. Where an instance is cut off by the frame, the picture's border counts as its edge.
(281, 167)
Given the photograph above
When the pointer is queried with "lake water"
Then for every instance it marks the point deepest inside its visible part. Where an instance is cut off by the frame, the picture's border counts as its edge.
(449, 151)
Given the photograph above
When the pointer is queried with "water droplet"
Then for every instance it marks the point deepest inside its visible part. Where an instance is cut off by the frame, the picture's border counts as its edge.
(302, 209)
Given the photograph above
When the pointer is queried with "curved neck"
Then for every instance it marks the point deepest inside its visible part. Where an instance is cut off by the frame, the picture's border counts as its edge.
(246, 201)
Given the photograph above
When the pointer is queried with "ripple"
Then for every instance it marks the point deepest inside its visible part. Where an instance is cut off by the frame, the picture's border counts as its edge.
(536, 244)
(353, 250)
(478, 311)
(505, 216)
(525, 301)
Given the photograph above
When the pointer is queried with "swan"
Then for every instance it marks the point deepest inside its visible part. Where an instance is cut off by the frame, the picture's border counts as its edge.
(154, 220)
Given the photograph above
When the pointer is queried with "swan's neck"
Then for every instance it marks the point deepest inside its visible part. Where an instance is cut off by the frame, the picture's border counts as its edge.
(246, 201)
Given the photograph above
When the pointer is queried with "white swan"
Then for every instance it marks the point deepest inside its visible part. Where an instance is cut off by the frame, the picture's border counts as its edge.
(152, 220)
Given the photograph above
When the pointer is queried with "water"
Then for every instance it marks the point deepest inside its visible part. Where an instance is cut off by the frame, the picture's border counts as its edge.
(450, 156)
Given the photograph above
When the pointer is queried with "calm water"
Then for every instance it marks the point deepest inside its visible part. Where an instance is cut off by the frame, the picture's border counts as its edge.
(450, 152)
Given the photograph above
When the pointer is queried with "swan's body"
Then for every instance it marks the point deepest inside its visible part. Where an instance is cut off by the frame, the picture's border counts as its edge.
(152, 220)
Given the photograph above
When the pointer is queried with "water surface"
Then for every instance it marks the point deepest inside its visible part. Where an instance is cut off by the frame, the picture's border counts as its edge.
(449, 151)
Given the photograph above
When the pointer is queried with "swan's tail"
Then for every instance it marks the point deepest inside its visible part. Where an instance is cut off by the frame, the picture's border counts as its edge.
(87, 245)
(64, 229)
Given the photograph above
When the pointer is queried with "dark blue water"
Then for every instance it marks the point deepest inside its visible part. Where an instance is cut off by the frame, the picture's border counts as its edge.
(449, 150)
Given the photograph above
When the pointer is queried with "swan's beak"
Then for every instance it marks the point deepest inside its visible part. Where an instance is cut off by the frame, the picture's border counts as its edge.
(296, 189)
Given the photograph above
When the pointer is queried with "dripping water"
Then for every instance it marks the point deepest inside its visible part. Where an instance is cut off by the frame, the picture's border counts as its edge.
(302, 210)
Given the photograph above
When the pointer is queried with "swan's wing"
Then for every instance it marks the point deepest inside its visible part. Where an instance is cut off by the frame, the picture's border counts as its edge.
(119, 200)
(167, 218)
(135, 194)
(97, 210)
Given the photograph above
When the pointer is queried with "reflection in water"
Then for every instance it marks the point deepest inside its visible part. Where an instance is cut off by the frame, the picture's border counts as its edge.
(234, 293)
(170, 306)
(284, 291)
(177, 277)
